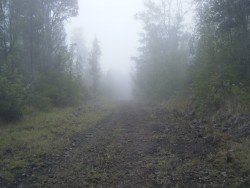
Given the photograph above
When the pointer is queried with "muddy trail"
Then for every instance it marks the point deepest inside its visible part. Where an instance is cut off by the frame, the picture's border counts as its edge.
(145, 146)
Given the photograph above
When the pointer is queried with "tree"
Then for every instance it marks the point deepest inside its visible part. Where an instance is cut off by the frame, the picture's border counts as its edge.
(9, 32)
(12, 94)
(161, 66)
(94, 58)
(79, 53)
(33, 43)
(222, 59)
(32, 35)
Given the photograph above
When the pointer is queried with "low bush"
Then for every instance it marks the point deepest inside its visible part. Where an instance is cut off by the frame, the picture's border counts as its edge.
(12, 93)
(57, 89)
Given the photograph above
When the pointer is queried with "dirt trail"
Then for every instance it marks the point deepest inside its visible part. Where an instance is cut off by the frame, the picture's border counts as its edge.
(114, 153)
(138, 146)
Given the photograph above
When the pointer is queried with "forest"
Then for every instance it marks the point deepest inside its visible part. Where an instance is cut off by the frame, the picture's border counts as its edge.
(187, 125)
(38, 69)
(211, 64)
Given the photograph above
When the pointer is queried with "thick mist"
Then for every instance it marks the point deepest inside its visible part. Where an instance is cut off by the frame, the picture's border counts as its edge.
(113, 23)
(124, 93)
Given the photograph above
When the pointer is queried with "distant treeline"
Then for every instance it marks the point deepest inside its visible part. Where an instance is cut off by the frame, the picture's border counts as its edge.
(211, 64)
(38, 70)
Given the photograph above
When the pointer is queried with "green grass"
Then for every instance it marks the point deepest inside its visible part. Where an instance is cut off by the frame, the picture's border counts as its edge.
(42, 134)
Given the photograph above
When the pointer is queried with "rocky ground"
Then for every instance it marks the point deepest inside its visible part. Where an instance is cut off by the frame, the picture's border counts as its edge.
(147, 146)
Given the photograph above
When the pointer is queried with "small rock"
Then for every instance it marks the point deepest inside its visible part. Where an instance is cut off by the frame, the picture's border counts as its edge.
(237, 120)
(192, 126)
(224, 174)
(195, 121)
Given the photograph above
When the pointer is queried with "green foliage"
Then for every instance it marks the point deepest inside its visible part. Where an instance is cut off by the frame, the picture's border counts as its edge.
(12, 92)
(243, 95)
(57, 89)
(212, 86)
(221, 71)
(178, 103)
(33, 41)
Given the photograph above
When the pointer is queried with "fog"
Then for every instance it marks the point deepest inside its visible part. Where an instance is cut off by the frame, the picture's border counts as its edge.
(113, 23)
(98, 89)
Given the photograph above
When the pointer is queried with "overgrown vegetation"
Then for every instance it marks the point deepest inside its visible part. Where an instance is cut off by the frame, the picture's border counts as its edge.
(37, 68)
(57, 89)
(194, 133)
(12, 91)
(211, 65)
(222, 64)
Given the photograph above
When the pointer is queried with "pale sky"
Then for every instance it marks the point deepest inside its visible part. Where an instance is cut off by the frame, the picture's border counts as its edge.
(113, 23)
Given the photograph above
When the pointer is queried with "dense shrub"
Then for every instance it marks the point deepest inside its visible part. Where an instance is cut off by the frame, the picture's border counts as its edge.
(212, 89)
(12, 92)
(51, 89)
(221, 70)
(57, 89)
